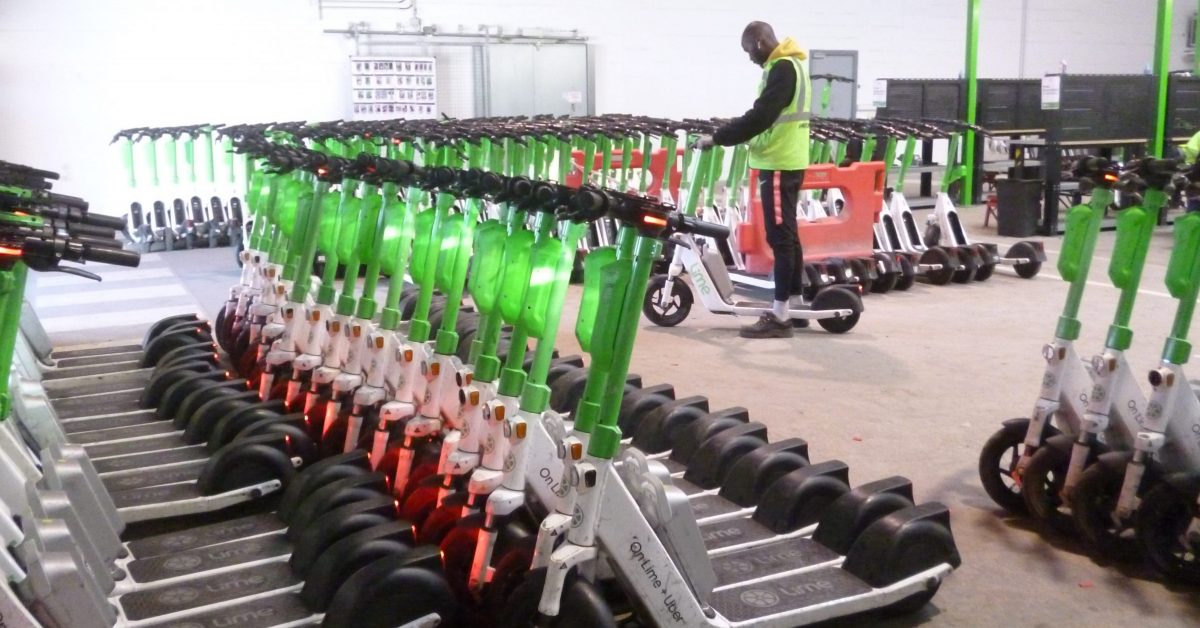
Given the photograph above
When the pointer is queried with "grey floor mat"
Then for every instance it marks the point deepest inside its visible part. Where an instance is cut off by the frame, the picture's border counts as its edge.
(782, 595)
(206, 591)
(134, 429)
(770, 559)
(205, 535)
(152, 459)
(733, 532)
(204, 559)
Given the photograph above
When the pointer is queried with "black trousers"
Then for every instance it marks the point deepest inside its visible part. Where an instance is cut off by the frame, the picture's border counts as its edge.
(779, 193)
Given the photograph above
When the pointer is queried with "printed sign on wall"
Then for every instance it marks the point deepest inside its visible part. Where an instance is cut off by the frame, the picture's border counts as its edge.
(384, 88)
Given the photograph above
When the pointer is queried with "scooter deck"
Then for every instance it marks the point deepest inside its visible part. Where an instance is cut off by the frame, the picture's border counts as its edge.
(151, 459)
(94, 351)
(68, 388)
(98, 404)
(141, 445)
(770, 559)
(95, 360)
(211, 534)
(730, 532)
(706, 506)
(84, 371)
(265, 612)
(200, 560)
(134, 429)
(110, 422)
(207, 591)
(786, 594)
(152, 477)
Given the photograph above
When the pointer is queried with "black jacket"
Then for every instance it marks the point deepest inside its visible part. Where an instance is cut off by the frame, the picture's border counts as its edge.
(775, 97)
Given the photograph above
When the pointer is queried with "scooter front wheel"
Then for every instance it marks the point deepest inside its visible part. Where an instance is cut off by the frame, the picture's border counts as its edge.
(1093, 506)
(582, 605)
(1162, 522)
(1042, 488)
(998, 463)
(678, 303)
(1025, 270)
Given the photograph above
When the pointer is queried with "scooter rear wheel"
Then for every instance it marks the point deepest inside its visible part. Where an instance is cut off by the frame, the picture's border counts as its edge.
(1162, 522)
(940, 257)
(678, 307)
(582, 605)
(838, 299)
(907, 275)
(1026, 270)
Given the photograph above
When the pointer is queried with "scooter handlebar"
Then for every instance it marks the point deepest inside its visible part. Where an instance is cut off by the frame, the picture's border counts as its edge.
(688, 224)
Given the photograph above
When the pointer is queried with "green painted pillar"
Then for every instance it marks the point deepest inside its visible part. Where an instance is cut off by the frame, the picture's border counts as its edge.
(968, 160)
(1162, 71)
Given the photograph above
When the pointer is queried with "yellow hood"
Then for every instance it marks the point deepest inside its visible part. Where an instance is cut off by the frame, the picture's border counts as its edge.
(787, 48)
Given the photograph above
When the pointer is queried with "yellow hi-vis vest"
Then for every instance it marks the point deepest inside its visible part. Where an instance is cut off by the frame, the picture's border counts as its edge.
(784, 146)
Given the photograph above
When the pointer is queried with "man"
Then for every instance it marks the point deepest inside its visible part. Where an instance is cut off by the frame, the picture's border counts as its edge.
(777, 128)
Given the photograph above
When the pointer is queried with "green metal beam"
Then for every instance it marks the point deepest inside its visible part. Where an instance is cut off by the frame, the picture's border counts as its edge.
(973, 7)
(1162, 70)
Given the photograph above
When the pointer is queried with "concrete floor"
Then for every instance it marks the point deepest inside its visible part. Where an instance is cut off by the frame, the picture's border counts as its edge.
(915, 390)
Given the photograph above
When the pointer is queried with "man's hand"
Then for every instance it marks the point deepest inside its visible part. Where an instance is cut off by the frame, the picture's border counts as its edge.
(703, 142)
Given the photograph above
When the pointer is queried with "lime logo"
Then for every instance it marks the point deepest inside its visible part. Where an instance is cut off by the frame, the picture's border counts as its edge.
(182, 563)
(1098, 393)
(738, 566)
(759, 598)
(577, 517)
(510, 463)
(178, 596)
(1049, 380)
(698, 278)
(489, 445)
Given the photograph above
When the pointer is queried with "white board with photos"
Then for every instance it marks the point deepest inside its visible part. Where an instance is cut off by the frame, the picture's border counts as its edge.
(393, 87)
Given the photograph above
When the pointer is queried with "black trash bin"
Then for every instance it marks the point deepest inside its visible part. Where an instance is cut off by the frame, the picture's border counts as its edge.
(1018, 207)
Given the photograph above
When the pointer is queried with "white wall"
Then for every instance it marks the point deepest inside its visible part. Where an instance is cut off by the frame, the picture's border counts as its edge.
(75, 71)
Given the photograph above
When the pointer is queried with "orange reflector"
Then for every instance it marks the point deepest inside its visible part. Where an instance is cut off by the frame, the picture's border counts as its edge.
(8, 250)
(378, 342)
(408, 355)
(470, 378)
(435, 368)
(474, 397)
(335, 326)
(499, 413)
(576, 451)
(1109, 176)
(316, 315)
(356, 330)
(654, 220)
(520, 430)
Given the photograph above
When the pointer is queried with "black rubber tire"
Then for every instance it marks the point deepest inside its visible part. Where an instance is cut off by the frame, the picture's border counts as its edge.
(838, 298)
(986, 268)
(1162, 518)
(966, 274)
(582, 605)
(885, 281)
(862, 275)
(674, 314)
(907, 275)
(1040, 487)
(995, 472)
(912, 603)
(939, 256)
(1092, 504)
(1029, 269)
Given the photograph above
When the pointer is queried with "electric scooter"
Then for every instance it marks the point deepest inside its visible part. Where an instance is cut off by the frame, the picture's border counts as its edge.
(669, 299)
(1066, 383)
(1116, 406)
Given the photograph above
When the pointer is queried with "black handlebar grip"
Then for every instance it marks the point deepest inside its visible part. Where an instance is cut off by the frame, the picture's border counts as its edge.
(116, 257)
(589, 201)
(702, 228)
(116, 223)
(95, 242)
(94, 231)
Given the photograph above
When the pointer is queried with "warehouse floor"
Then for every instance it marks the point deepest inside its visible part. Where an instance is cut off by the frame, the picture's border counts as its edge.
(914, 390)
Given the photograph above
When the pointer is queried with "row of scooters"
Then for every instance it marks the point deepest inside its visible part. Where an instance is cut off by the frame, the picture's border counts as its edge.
(180, 206)
(430, 467)
(1099, 459)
